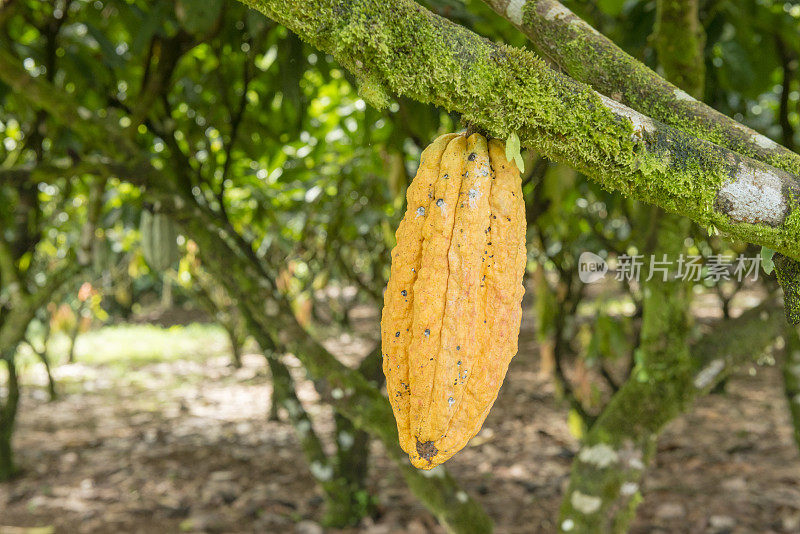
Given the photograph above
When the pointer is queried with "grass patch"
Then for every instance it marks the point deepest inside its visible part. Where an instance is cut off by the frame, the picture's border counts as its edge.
(135, 345)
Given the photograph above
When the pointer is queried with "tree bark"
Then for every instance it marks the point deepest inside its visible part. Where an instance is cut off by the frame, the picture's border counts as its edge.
(589, 57)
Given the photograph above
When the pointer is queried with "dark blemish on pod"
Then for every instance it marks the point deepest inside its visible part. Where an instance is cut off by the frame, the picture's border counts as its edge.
(397, 334)
(404, 292)
(459, 362)
(445, 176)
(472, 156)
(439, 202)
(458, 347)
(427, 332)
(426, 450)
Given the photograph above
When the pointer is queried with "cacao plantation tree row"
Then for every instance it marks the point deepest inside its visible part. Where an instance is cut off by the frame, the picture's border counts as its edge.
(284, 183)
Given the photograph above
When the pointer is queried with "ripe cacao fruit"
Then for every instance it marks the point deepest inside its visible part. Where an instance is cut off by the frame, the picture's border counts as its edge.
(452, 311)
(159, 241)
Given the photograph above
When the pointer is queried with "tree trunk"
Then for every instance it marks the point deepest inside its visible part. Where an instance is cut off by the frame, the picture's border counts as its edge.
(73, 336)
(8, 415)
(604, 487)
(51, 383)
(236, 346)
(352, 457)
(166, 293)
(791, 377)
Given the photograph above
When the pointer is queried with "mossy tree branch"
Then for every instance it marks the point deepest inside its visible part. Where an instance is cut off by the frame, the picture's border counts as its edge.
(505, 90)
(590, 57)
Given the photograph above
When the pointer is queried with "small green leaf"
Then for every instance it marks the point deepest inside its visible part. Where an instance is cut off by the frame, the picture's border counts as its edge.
(766, 260)
(512, 146)
(519, 162)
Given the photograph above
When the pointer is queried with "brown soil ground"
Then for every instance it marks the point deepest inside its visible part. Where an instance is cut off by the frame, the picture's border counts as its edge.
(186, 446)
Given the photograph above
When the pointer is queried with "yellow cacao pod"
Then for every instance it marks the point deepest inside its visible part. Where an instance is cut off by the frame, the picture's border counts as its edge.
(451, 311)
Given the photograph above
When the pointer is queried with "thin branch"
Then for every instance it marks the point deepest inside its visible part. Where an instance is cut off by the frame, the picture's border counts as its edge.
(236, 117)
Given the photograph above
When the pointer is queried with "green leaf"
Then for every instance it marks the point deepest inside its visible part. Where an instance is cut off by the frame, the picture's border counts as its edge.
(512, 146)
(766, 260)
(520, 163)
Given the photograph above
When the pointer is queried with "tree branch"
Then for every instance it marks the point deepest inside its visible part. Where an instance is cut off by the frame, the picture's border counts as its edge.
(588, 56)
(606, 475)
(505, 90)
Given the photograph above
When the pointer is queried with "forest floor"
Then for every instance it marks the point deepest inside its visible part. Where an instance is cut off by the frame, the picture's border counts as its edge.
(155, 432)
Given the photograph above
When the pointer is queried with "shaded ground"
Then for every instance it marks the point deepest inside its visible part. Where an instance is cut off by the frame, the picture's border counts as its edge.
(180, 442)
